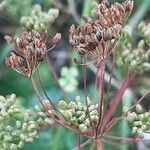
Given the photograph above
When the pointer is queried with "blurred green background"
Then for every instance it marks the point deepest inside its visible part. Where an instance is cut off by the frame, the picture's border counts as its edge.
(70, 12)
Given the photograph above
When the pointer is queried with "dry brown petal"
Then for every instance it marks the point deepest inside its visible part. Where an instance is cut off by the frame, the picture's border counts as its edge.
(57, 38)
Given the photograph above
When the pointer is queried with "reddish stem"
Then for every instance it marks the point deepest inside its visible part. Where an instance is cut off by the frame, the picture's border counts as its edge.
(116, 101)
(100, 105)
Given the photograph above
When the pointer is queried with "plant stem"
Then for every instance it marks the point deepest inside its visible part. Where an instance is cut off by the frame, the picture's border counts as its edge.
(116, 101)
(78, 141)
(56, 78)
(99, 144)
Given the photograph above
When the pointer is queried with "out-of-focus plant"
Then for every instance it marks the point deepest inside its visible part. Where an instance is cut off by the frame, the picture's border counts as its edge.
(68, 78)
(139, 121)
(39, 21)
(130, 58)
(19, 125)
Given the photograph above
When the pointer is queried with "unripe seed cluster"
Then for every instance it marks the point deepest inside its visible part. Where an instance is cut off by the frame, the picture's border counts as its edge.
(133, 59)
(39, 20)
(76, 114)
(145, 31)
(17, 125)
(139, 121)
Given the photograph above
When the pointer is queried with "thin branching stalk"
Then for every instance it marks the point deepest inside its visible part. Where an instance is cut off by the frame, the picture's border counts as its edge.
(120, 143)
(79, 141)
(99, 144)
(49, 115)
(56, 78)
(43, 88)
(125, 113)
(100, 104)
(83, 144)
(96, 84)
(116, 100)
(92, 146)
(85, 89)
(111, 75)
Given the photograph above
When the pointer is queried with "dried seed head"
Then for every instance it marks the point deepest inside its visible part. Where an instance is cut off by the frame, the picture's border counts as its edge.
(28, 51)
(98, 36)
(57, 38)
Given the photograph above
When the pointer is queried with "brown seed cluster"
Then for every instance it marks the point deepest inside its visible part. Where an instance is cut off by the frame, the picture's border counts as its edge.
(100, 34)
(28, 51)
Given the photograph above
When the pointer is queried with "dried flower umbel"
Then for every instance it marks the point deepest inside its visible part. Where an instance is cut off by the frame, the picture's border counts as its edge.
(28, 51)
(99, 35)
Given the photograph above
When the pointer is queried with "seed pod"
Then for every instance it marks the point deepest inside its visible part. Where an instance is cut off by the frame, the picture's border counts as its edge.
(87, 122)
(72, 105)
(92, 107)
(63, 105)
(83, 128)
(94, 112)
(143, 127)
(139, 108)
(95, 118)
(141, 117)
(79, 113)
(134, 130)
(74, 121)
(140, 133)
(81, 118)
(67, 114)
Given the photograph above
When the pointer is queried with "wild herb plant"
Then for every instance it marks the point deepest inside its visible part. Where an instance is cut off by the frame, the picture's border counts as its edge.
(96, 42)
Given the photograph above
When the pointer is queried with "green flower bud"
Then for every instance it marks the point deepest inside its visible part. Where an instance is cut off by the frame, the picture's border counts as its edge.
(87, 122)
(143, 127)
(67, 114)
(139, 108)
(42, 114)
(134, 130)
(63, 105)
(13, 147)
(141, 44)
(95, 118)
(9, 128)
(146, 115)
(2, 99)
(72, 105)
(82, 118)
(142, 27)
(40, 121)
(78, 99)
(48, 121)
(8, 138)
(92, 107)
(79, 113)
(94, 112)
(140, 133)
(131, 117)
(74, 121)
(29, 140)
(83, 128)
(72, 111)
(141, 117)
(53, 12)
(21, 144)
